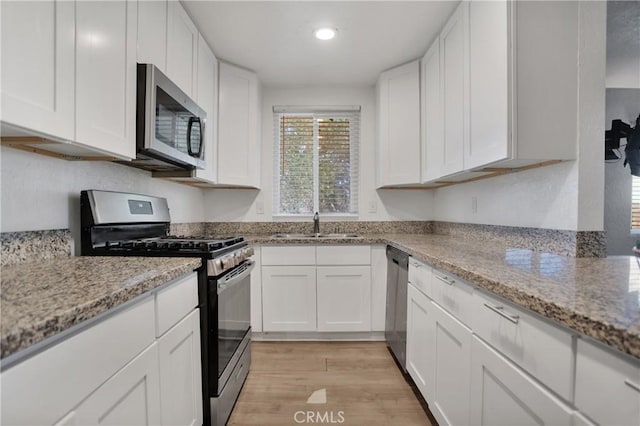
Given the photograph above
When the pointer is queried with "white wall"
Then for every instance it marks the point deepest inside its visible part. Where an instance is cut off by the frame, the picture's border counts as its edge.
(241, 205)
(40, 192)
(623, 44)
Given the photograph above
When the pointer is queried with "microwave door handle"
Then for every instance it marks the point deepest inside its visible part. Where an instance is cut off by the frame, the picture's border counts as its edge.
(233, 280)
(193, 153)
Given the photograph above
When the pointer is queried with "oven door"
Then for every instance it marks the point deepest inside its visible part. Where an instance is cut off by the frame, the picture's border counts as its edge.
(234, 317)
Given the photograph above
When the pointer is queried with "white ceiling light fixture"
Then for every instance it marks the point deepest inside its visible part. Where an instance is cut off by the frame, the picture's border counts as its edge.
(325, 33)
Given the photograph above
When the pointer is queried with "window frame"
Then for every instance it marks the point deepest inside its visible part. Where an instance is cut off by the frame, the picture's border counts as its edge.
(353, 113)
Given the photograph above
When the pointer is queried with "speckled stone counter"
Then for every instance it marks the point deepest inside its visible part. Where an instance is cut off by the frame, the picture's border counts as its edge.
(598, 297)
(41, 299)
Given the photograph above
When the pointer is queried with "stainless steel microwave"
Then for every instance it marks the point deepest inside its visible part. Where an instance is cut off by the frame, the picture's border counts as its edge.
(169, 125)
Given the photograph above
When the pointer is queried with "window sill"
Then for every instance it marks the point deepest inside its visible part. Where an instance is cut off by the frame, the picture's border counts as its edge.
(323, 217)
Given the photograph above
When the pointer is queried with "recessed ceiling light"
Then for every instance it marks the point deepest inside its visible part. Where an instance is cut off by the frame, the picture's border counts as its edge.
(325, 33)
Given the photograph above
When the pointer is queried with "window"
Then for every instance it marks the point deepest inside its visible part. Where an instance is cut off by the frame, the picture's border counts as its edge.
(635, 203)
(316, 162)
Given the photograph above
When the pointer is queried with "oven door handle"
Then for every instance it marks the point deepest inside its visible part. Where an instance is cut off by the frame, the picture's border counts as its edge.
(231, 279)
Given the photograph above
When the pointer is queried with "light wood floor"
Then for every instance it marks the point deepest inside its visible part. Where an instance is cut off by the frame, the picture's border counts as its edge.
(360, 378)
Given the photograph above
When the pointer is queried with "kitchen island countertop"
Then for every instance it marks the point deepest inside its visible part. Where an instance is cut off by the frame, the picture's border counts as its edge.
(44, 298)
(597, 297)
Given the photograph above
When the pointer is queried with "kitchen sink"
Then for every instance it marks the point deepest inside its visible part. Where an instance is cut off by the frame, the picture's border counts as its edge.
(313, 236)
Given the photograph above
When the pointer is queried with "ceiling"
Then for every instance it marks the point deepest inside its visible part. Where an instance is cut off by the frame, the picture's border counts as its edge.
(275, 38)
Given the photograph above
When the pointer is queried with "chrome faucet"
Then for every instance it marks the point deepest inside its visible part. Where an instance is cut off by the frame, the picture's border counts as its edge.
(316, 223)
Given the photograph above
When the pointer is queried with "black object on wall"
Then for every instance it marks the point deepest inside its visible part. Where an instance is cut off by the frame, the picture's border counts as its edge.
(621, 130)
(632, 150)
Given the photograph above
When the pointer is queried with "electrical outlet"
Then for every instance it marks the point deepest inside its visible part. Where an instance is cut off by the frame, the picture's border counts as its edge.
(259, 207)
(373, 206)
(474, 204)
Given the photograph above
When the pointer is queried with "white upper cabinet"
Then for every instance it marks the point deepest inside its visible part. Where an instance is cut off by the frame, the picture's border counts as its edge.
(238, 118)
(38, 66)
(106, 36)
(182, 49)
(454, 46)
(431, 108)
(523, 83)
(207, 99)
(398, 99)
(152, 33)
(489, 84)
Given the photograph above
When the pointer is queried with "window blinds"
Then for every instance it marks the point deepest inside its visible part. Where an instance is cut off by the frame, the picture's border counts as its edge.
(316, 162)
(635, 203)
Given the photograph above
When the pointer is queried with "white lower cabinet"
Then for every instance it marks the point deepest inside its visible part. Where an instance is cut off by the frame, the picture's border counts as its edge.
(344, 298)
(607, 386)
(322, 288)
(288, 298)
(116, 371)
(256, 292)
(452, 363)
(504, 395)
(130, 397)
(180, 373)
(378, 287)
(543, 350)
(421, 341)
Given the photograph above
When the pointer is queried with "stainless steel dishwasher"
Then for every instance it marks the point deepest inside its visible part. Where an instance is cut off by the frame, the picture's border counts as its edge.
(396, 315)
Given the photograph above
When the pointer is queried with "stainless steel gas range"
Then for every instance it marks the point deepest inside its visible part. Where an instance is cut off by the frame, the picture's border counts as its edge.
(122, 224)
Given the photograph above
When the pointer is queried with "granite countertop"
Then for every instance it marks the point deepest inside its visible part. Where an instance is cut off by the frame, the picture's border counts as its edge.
(598, 297)
(41, 299)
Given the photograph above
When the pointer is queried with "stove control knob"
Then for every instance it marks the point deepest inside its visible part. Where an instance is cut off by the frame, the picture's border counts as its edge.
(228, 261)
(217, 265)
(249, 251)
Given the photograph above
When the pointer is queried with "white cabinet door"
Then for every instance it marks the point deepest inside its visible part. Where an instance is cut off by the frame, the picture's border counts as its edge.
(256, 291)
(130, 397)
(181, 373)
(489, 138)
(452, 363)
(431, 108)
(344, 298)
(106, 76)
(378, 287)
(37, 66)
(182, 49)
(454, 58)
(152, 33)
(503, 395)
(421, 342)
(238, 139)
(289, 298)
(600, 373)
(398, 93)
(208, 100)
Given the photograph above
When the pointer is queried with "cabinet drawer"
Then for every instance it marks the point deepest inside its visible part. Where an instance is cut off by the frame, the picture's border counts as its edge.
(453, 295)
(343, 255)
(63, 375)
(289, 255)
(503, 394)
(543, 350)
(420, 275)
(175, 301)
(607, 386)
